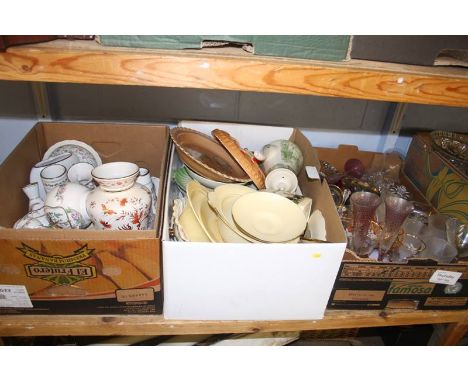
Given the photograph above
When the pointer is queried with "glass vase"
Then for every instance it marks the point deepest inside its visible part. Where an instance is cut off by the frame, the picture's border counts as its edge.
(396, 211)
(364, 204)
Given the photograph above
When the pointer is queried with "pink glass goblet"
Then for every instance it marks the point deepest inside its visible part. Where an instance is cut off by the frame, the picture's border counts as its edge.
(396, 211)
(364, 204)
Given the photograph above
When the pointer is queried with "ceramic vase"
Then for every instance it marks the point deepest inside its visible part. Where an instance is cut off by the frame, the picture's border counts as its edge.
(118, 203)
(281, 154)
(65, 206)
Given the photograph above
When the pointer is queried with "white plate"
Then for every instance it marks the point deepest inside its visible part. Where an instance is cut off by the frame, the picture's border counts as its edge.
(83, 151)
(269, 217)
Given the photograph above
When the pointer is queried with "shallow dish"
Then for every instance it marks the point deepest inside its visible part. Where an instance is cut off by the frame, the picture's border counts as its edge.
(453, 145)
(197, 196)
(269, 217)
(206, 156)
(222, 200)
(205, 181)
(191, 227)
(83, 151)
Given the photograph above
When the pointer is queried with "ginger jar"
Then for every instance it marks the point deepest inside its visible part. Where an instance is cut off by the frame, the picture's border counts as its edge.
(118, 203)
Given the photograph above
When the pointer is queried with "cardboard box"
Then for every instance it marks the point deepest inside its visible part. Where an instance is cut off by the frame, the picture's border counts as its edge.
(82, 271)
(416, 50)
(329, 48)
(443, 184)
(226, 281)
(369, 284)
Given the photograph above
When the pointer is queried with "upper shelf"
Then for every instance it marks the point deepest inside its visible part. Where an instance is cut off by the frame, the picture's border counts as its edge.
(89, 62)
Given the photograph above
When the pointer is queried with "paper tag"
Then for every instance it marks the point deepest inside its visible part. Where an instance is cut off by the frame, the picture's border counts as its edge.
(312, 172)
(445, 277)
(14, 296)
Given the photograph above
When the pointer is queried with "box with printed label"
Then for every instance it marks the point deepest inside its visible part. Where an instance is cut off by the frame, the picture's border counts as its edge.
(369, 284)
(444, 185)
(80, 271)
(246, 281)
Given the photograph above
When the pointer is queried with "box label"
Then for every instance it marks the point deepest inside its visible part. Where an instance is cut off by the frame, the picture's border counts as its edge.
(14, 296)
(359, 295)
(445, 277)
(410, 287)
(446, 301)
(60, 270)
(371, 271)
(131, 295)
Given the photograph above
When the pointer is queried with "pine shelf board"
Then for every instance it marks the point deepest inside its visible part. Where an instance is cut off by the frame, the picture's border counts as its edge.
(90, 63)
(93, 325)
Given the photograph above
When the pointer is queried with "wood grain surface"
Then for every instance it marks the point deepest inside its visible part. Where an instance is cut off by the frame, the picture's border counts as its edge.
(50, 325)
(88, 62)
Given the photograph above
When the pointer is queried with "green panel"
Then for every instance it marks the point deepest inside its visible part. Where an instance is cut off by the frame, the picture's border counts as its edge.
(330, 48)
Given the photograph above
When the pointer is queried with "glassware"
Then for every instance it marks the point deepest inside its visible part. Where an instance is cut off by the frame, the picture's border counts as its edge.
(439, 249)
(437, 225)
(411, 245)
(396, 211)
(364, 204)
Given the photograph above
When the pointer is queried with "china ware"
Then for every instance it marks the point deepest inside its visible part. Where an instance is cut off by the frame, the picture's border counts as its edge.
(53, 176)
(269, 217)
(65, 206)
(118, 203)
(281, 154)
(206, 156)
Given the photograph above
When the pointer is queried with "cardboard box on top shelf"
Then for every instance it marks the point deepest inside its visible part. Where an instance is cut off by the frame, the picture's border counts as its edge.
(368, 284)
(71, 271)
(237, 281)
(444, 185)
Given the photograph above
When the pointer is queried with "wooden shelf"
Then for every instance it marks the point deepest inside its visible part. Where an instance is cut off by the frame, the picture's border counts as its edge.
(89, 62)
(46, 325)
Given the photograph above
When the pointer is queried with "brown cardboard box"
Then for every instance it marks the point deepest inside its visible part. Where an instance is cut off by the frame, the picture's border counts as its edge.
(443, 184)
(368, 284)
(82, 271)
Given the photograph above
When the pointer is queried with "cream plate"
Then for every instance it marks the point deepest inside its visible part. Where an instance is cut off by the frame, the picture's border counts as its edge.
(198, 199)
(222, 200)
(191, 227)
(83, 151)
(269, 217)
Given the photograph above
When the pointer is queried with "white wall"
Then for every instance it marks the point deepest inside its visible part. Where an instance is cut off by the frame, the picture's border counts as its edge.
(12, 131)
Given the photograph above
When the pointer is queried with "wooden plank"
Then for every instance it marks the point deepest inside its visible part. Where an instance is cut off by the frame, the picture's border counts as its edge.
(49, 325)
(453, 334)
(88, 62)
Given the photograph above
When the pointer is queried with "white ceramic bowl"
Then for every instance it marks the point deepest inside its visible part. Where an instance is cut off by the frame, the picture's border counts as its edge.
(205, 181)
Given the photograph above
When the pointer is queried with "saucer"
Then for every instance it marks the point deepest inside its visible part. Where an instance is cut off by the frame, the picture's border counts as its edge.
(83, 151)
(222, 200)
(268, 217)
(198, 199)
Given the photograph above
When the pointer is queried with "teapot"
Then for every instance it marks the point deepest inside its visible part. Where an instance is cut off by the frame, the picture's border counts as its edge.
(280, 154)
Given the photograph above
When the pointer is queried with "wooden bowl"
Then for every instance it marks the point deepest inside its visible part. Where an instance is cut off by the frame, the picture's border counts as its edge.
(206, 157)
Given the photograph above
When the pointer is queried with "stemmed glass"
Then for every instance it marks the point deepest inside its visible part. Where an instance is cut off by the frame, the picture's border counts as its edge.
(364, 204)
(396, 211)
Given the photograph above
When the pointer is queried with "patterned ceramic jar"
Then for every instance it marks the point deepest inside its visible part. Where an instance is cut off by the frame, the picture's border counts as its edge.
(119, 203)
(65, 206)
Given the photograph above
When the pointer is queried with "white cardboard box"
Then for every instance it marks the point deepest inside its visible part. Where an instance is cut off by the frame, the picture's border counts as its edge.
(227, 281)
